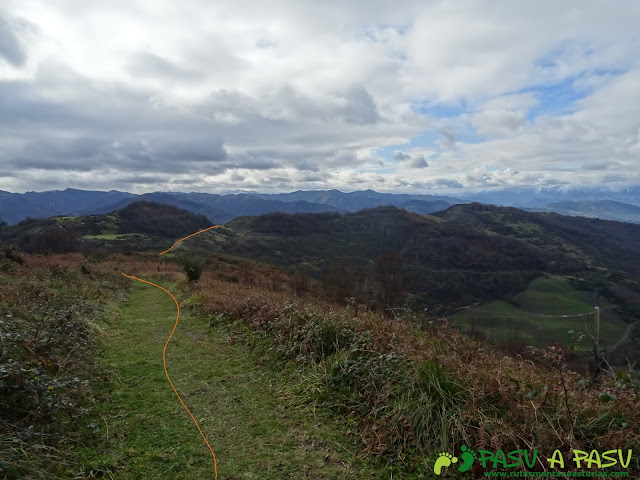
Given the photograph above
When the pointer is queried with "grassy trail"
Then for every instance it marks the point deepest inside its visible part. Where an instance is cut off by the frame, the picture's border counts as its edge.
(147, 434)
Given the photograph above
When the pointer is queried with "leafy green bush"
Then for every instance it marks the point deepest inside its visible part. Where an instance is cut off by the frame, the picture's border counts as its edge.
(193, 266)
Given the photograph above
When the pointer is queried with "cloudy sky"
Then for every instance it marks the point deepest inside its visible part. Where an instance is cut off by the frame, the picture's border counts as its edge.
(402, 96)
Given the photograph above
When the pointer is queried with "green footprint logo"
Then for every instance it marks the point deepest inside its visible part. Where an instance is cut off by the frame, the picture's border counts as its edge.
(444, 460)
(468, 457)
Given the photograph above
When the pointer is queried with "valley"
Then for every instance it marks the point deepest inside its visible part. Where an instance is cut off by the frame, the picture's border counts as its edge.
(317, 345)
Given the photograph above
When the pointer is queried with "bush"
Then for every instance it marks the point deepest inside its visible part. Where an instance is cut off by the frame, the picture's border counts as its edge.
(193, 267)
(13, 255)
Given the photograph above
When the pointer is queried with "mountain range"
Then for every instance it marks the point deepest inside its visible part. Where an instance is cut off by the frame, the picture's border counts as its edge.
(530, 197)
(607, 209)
(621, 205)
(15, 207)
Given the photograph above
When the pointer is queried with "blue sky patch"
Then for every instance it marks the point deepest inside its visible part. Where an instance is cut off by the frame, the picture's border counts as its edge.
(561, 98)
(440, 110)
(555, 99)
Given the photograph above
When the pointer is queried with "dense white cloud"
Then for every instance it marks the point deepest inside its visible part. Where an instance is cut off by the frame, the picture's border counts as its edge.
(229, 95)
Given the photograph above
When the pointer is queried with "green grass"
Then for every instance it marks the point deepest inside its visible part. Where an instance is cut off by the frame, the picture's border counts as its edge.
(554, 296)
(112, 236)
(64, 219)
(502, 321)
(255, 435)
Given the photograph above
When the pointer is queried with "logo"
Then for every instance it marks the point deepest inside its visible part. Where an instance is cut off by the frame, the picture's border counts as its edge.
(467, 456)
(525, 458)
(444, 460)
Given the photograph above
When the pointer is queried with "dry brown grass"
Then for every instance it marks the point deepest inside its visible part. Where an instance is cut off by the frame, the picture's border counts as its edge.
(51, 308)
(490, 400)
(506, 402)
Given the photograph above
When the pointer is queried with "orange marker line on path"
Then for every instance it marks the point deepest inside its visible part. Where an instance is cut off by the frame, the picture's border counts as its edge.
(164, 350)
(215, 226)
(164, 362)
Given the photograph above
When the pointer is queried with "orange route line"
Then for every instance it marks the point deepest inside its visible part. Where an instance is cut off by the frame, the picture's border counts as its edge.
(164, 362)
(164, 350)
(215, 226)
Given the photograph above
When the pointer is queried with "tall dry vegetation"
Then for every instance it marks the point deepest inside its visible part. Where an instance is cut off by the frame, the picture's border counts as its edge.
(51, 312)
(410, 387)
(405, 387)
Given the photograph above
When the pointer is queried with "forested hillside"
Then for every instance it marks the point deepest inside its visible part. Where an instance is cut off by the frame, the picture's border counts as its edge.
(343, 315)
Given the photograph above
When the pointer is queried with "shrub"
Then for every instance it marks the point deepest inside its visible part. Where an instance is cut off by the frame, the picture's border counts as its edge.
(13, 255)
(193, 267)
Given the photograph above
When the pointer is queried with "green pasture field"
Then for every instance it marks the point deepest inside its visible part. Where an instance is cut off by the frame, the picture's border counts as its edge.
(524, 320)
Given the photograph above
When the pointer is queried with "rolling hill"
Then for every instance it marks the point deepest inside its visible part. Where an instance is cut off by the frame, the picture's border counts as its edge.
(455, 257)
(598, 242)
(138, 226)
(465, 254)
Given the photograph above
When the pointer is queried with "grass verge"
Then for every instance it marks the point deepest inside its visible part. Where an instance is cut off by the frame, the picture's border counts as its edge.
(255, 434)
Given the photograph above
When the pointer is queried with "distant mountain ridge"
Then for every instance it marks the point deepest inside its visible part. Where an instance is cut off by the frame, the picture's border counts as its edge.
(605, 209)
(354, 201)
(530, 197)
(15, 207)
(218, 208)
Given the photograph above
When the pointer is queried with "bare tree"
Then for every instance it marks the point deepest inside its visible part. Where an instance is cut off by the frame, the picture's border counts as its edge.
(299, 281)
(389, 268)
(340, 281)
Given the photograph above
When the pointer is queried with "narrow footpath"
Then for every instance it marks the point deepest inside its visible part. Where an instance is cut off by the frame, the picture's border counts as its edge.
(149, 435)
